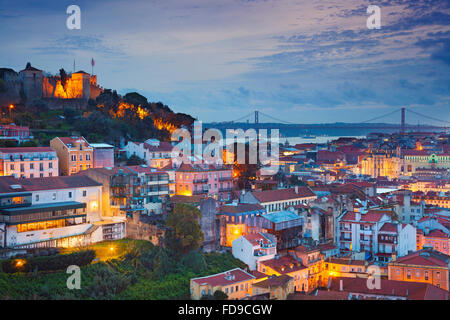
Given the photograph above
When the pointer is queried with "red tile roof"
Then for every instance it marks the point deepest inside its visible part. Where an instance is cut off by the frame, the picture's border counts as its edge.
(221, 279)
(256, 238)
(241, 208)
(284, 265)
(71, 140)
(437, 234)
(424, 257)
(282, 194)
(26, 150)
(370, 217)
(408, 290)
(389, 227)
(48, 183)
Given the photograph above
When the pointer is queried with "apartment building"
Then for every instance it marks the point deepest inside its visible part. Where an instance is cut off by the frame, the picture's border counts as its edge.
(235, 283)
(215, 181)
(395, 239)
(28, 162)
(75, 154)
(281, 199)
(131, 189)
(426, 265)
(358, 230)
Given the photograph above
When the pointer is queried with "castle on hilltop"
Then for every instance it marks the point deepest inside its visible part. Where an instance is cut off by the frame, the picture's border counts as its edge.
(31, 84)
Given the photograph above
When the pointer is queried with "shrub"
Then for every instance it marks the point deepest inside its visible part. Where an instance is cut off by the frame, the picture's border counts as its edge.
(49, 263)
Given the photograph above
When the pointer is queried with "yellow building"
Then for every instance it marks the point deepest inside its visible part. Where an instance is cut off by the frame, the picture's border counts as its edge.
(381, 165)
(278, 287)
(75, 154)
(287, 265)
(344, 267)
(235, 283)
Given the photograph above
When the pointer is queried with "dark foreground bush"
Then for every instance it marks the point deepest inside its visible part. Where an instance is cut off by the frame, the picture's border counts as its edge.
(49, 263)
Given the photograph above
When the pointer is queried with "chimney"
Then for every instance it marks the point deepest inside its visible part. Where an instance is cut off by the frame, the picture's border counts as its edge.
(394, 256)
(341, 285)
(357, 216)
(296, 189)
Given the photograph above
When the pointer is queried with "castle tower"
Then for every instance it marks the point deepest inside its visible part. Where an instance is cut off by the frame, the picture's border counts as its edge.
(31, 79)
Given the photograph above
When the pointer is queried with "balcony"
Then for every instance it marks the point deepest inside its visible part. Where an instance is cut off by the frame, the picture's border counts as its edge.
(225, 178)
(200, 191)
(225, 189)
(200, 181)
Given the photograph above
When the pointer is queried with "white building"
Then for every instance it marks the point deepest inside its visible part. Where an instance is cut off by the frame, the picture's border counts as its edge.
(395, 238)
(54, 212)
(155, 153)
(254, 248)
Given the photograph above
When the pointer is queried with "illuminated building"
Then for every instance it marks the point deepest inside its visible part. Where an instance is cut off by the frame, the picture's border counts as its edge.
(287, 265)
(213, 180)
(414, 160)
(276, 287)
(381, 164)
(131, 189)
(285, 225)
(235, 283)
(237, 220)
(313, 259)
(75, 154)
(103, 155)
(335, 267)
(53, 212)
(426, 265)
(28, 162)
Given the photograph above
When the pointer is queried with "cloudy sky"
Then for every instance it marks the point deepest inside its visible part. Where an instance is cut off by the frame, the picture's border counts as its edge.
(304, 61)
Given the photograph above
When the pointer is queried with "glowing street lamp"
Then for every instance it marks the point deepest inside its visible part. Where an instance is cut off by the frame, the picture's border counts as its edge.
(11, 107)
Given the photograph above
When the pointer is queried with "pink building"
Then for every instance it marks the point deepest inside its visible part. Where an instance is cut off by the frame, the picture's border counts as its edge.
(214, 181)
(11, 131)
(28, 162)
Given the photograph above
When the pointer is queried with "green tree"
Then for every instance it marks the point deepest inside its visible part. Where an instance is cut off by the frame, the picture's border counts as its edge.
(220, 295)
(184, 233)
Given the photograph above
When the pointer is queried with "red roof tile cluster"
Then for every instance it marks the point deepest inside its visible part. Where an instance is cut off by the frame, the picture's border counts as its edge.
(283, 194)
(369, 217)
(256, 239)
(284, 265)
(390, 288)
(48, 183)
(26, 150)
(241, 208)
(225, 278)
(425, 257)
(437, 234)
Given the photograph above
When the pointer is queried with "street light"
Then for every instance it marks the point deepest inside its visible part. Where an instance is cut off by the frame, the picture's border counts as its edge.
(11, 107)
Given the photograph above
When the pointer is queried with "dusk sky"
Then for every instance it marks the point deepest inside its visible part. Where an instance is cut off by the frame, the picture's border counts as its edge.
(303, 61)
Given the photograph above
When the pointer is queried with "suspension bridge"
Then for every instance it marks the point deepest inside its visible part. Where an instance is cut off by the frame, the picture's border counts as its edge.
(252, 119)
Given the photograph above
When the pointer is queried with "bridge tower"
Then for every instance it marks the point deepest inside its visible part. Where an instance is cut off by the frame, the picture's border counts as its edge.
(402, 128)
(256, 117)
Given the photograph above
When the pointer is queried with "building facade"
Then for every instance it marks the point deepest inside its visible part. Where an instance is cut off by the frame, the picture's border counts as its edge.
(75, 154)
(28, 162)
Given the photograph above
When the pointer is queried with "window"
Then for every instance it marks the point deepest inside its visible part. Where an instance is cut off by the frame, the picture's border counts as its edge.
(438, 275)
(74, 157)
(408, 274)
(36, 197)
(54, 196)
(31, 166)
(426, 275)
(50, 165)
(11, 167)
(84, 193)
(41, 166)
(31, 175)
(70, 194)
(22, 167)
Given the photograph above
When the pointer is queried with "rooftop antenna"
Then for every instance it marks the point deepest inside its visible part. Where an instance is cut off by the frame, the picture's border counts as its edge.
(73, 65)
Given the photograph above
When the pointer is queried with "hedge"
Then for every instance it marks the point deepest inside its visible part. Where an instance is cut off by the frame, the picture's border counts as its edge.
(50, 263)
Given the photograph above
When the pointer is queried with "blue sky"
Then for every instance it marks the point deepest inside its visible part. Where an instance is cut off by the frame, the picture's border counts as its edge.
(304, 61)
